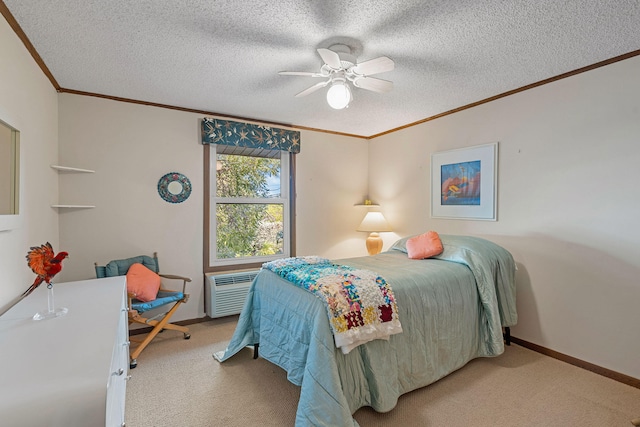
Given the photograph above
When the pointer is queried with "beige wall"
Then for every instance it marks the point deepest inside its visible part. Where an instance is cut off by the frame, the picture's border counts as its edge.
(332, 176)
(28, 102)
(567, 205)
(131, 146)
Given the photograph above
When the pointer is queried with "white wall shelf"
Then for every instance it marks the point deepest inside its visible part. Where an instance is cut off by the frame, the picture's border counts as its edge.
(67, 169)
(368, 203)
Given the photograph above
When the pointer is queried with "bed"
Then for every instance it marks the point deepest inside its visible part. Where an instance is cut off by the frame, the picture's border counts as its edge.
(452, 307)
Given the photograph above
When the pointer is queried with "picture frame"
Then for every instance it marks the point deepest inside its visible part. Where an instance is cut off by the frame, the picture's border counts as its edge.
(463, 183)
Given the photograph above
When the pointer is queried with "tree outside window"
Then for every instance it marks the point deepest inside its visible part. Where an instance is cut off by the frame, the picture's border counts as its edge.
(251, 208)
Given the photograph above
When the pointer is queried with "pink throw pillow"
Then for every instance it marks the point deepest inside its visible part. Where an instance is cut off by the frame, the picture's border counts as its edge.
(142, 282)
(424, 246)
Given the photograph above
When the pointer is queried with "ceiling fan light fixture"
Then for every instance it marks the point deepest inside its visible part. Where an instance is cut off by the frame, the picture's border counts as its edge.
(339, 95)
(341, 70)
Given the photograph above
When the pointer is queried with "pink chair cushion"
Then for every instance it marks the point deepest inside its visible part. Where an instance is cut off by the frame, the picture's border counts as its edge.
(142, 282)
(424, 246)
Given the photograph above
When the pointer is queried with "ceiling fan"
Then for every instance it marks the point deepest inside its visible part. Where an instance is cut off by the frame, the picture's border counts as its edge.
(340, 67)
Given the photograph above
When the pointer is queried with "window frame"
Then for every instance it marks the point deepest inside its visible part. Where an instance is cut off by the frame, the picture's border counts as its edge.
(287, 198)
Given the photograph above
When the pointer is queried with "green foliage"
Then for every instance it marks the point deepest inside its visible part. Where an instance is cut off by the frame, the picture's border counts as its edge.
(247, 229)
(244, 176)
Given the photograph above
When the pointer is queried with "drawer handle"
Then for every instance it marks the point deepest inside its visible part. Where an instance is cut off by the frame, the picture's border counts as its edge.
(126, 343)
(127, 378)
(119, 372)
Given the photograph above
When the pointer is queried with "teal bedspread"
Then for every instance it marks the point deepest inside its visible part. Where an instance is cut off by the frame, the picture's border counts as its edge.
(452, 310)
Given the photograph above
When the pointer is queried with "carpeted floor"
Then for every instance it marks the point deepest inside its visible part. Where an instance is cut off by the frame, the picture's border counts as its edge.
(178, 383)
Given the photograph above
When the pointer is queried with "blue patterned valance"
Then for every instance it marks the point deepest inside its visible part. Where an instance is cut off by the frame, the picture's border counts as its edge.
(227, 132)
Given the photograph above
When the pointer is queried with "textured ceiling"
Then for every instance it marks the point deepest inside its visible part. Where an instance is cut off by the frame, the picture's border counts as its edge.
(224, 56)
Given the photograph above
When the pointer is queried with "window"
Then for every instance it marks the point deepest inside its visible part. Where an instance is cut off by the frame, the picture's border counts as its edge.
(249, 212)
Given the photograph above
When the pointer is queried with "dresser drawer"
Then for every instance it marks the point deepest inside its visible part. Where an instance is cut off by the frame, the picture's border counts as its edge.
(116, 387)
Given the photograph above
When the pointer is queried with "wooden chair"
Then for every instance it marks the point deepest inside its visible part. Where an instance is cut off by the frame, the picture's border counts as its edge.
(136, 307)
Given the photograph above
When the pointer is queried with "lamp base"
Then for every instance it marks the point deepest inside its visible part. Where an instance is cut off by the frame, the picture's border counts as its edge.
(374, 243)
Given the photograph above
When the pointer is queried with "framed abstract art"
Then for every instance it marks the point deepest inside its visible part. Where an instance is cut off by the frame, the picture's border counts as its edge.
(463, 183)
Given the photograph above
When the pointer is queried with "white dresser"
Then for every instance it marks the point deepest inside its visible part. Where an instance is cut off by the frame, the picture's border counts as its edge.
(69, 370)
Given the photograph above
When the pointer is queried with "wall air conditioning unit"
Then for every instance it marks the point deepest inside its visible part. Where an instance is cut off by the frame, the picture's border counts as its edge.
(225, 293)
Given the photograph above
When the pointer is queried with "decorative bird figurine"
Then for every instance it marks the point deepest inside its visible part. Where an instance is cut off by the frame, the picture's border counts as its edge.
(42, 261)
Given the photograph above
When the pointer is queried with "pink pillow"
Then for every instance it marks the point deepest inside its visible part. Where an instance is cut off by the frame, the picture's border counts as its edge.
(424, 246)
(142, 282)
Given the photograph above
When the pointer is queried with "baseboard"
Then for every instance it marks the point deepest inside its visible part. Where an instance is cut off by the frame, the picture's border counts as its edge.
(625, 379)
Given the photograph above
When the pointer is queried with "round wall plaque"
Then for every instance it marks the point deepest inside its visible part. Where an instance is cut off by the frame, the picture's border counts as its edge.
(174, 187)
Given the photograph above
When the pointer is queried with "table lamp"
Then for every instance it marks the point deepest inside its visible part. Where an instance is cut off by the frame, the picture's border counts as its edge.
(374, 222)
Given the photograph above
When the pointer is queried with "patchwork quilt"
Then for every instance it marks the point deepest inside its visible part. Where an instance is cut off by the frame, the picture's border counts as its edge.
(360, 304)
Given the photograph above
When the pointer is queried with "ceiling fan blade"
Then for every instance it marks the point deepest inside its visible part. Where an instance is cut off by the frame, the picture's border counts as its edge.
(312, 89)
(330, 58)
(301, 73)
(374, 66)
(373, 84)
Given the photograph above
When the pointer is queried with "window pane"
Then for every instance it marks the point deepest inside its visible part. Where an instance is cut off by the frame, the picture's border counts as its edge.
(245, 176)
(249, 230)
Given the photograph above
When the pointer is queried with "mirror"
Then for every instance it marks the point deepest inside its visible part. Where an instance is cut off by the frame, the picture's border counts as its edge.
(9, 176)
(174, 188)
